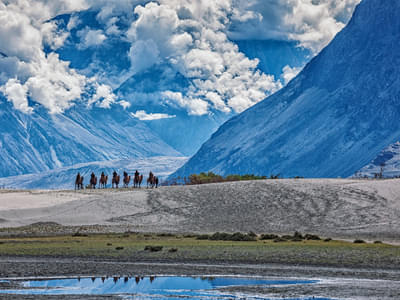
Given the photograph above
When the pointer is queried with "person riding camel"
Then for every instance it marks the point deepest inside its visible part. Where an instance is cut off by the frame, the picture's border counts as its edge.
(78, 177)
(115, 174)
(151, 174)
(136, 173)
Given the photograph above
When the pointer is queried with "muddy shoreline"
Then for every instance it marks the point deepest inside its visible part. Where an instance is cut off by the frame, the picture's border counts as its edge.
(336, 282)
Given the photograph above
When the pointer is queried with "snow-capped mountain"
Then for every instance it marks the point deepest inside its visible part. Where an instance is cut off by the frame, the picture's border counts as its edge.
(64, 178)
(387, 163)
(332, 119)
(41, 141)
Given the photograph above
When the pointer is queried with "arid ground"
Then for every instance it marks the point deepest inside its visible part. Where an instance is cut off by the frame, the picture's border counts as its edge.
(78, 233)
(338, 208)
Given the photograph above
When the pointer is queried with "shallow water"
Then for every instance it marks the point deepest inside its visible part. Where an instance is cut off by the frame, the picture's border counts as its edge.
(152, 288)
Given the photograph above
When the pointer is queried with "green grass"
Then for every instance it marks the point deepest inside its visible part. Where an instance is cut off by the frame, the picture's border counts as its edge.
(333, 253)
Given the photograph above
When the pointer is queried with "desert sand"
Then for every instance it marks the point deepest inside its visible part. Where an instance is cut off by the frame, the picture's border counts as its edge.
(337, 208)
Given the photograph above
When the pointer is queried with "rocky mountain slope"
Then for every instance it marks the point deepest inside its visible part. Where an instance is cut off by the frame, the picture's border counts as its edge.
(332, 119)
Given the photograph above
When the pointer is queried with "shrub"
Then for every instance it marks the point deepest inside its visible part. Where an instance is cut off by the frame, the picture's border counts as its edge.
(173, 250)
(378, 242)
(153, 248)
(252, 234)
(359, 242)
(312, 237)
(203, 237)
(269, 236)
(211, 177)
(220, 236)
(298, 235)
(119, 248)
(279, 239)
(327, 240)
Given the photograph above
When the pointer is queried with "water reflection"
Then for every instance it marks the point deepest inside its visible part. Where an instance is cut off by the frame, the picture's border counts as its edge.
(146, 287)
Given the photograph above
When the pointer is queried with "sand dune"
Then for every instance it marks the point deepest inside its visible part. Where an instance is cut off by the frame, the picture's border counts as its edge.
(345, 208)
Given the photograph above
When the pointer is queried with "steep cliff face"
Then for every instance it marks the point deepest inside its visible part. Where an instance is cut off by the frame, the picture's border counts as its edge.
(332, 119)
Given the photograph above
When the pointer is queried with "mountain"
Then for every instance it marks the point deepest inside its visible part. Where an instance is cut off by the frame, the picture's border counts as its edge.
(387, 161)
(64, 178)
(31, 143)
(144, 90)
(332, 119)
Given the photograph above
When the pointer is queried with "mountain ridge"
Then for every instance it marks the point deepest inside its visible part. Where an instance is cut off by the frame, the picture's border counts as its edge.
(329, 121)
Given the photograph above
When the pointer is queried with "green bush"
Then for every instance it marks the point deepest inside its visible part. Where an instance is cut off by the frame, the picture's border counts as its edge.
(203, 237)
(267, 236)
(312, 237)
(211, 177)
(359, 242)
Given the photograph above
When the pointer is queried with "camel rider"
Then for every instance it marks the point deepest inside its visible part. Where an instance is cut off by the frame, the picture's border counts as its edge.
(92, 175)
(125, 174)
(102, 174)
(136, 173)
(151, 174)
(78, 177)
(115, 174)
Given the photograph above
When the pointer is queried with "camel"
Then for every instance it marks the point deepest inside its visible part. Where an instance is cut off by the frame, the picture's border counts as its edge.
(103, 180)
(137, 180)
(115, 180)
(127, 179)
(152, 180)
(93, 181)
(79, 182)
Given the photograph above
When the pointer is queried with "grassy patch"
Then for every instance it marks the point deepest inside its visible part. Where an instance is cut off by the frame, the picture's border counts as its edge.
(180, 248)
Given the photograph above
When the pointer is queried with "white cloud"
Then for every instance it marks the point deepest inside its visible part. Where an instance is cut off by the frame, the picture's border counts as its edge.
(144, 116)
(103, 96)
(27, 71)
(311, 22)
(288, 73)
(17, 94)
(191, 37)
(91, 37)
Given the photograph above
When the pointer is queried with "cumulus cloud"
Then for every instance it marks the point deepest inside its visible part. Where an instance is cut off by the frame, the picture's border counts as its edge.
(17, 94)
(311, 22)
(90, 37)
(27, 71)
(144, 116)
(288, 73)
(191, 37)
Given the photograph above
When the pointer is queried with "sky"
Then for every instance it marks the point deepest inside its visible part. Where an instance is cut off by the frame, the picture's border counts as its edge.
(195, 38)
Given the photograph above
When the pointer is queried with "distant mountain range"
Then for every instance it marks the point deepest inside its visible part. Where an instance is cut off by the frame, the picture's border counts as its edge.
(39, 142)
(64, 178)
(333, 119)
(42, 141)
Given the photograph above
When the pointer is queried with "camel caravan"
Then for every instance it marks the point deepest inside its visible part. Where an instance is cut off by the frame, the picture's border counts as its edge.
(152, 181)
